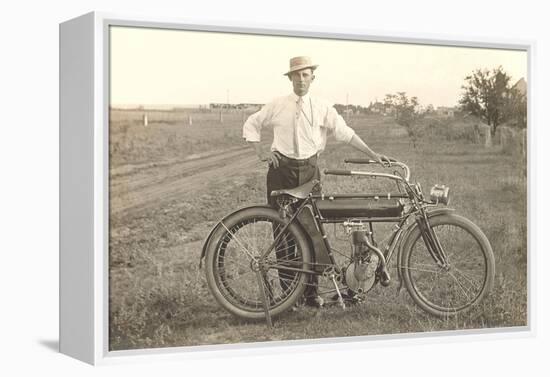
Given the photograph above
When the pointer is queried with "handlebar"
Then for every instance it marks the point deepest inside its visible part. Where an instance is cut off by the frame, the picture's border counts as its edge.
(337, 172)
(371, 174)
(364, 161)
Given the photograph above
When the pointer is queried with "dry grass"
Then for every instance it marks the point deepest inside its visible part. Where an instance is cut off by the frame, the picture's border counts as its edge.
(159, 298)
(132, 143)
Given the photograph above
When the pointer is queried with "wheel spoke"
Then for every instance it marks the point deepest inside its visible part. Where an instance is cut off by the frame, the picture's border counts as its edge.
(239, 242)
(420, 269)
(473, 286)
(461, 283)
(242, 279)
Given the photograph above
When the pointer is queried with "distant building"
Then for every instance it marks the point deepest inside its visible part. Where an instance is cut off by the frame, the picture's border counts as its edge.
(348, 112)
(521, 86)
(377, 108)
(447, 112)
(236, 106)
(215, 105)
(249, 106)
(389, 110)
(521, 118)
(156, 107)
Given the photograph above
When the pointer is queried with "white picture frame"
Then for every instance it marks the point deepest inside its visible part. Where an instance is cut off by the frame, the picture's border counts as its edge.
(84, 222)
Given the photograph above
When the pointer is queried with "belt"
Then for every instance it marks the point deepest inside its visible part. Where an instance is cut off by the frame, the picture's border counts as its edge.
(297, 162)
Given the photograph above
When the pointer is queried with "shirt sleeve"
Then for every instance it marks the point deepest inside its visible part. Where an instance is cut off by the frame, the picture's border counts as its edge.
(337, 125)
(253, 125)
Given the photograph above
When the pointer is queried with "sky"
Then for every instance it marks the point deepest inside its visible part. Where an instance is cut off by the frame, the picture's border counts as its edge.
(175, 67)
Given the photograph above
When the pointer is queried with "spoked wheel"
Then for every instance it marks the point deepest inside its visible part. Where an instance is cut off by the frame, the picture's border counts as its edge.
(446, 291)
(234, 268)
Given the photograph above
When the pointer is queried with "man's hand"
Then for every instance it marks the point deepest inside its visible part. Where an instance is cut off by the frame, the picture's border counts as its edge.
(360, 145)
(271, 157)
(383, 160)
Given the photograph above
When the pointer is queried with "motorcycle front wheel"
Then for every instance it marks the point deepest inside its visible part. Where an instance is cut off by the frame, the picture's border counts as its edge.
(468, 278)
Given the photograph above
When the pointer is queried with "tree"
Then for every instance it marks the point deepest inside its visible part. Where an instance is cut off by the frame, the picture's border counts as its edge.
(405, 112)
(389, 103)
(516, 109)
(488, 94)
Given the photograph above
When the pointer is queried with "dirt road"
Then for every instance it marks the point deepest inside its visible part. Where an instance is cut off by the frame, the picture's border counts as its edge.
(139, 187)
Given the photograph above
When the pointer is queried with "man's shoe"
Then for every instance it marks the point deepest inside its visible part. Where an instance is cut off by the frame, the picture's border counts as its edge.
(314, 301)
(348, 297)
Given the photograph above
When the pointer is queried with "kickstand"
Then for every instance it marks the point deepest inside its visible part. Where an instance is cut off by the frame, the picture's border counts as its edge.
(340, 298)
(264, 299)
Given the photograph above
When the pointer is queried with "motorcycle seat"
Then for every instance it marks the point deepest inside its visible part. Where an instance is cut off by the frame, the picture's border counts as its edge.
(300, 192)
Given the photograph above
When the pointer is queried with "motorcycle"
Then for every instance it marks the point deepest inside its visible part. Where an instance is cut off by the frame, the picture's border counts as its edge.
(260, 259)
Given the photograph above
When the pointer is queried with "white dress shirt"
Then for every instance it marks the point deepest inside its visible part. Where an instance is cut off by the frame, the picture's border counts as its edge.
(313, 123)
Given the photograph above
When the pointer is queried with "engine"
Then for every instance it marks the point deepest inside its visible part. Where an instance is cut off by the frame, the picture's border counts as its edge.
(360, 275)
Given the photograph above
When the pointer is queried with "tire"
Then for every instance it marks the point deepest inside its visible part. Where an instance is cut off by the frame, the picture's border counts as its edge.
(471, 273)
(229, 268)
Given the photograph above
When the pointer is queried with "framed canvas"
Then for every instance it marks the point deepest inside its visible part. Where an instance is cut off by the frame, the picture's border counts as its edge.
(228, 187)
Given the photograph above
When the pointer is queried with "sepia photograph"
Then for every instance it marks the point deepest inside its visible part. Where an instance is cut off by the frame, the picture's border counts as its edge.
(280, 188)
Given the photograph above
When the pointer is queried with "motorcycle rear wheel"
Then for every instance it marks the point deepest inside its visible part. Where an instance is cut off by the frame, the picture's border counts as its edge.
(231, 271)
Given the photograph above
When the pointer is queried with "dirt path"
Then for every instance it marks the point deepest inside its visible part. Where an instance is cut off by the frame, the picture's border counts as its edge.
(136, 190)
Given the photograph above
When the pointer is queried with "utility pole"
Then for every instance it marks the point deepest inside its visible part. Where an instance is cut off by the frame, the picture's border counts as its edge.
(347, 107)
(226, 105)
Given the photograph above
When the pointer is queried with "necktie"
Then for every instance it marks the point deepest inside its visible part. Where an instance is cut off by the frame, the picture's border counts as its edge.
(299, 103)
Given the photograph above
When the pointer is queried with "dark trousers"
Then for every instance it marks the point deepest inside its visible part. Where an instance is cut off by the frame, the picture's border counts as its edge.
(290, 175)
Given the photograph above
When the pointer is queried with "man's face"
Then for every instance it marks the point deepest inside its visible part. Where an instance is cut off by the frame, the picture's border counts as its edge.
(301, 80)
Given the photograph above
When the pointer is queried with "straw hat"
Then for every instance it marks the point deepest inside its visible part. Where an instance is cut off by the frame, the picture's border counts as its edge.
(300, 62)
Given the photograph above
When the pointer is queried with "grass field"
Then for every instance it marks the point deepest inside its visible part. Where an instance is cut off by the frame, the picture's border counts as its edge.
(158, 296)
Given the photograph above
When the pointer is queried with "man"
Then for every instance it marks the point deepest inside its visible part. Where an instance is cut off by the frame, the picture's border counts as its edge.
(300, 125)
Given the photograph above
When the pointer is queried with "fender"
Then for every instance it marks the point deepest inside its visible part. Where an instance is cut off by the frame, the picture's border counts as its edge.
(407, 234)
(218, 224)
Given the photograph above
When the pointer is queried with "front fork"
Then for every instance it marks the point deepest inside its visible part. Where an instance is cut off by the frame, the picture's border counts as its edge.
(432, 241)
